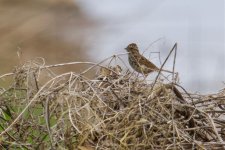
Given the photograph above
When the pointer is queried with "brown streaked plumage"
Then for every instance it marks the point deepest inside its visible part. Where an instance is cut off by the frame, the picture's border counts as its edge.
(138, 62)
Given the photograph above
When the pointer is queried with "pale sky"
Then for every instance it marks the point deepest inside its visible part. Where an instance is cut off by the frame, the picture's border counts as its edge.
(198, 26)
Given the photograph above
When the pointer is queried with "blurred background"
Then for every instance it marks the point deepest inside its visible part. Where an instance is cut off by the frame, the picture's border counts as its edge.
(86, 30)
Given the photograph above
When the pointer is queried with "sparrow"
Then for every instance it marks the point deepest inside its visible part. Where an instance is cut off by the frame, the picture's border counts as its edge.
(138, 62)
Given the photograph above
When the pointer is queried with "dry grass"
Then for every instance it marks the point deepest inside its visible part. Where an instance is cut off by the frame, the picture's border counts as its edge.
(115, 110)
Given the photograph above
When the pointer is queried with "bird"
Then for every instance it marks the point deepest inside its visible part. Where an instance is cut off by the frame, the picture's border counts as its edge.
(142, 65)
(138, 62)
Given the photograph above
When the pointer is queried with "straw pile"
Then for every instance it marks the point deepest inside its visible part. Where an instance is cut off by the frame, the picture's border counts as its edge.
(117, 109)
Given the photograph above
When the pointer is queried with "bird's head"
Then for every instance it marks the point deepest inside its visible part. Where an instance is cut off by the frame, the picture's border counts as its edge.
(132, 48)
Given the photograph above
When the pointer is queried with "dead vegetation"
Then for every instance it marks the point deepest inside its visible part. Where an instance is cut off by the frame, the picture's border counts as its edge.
(118, 109)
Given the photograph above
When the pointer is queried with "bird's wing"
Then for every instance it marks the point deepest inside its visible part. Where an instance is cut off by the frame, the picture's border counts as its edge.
(147, 63)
